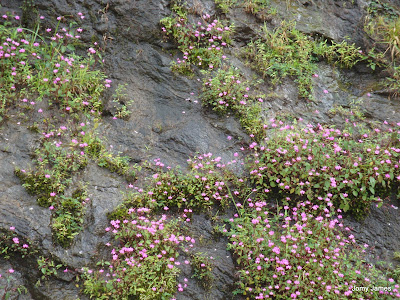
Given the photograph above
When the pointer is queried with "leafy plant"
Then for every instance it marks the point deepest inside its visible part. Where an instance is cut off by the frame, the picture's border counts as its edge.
(47, 267)
(225, 5)
(200, 189)
(144, 262)
(35, 64)
(255, 6)
(350, 168)
(119, 98)
(12, 244)
(226, 90)
(202, 269)
(7, 290)
(296, 253)
(201, 42)
(286, 51)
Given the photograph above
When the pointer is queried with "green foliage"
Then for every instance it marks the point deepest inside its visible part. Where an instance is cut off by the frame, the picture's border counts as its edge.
(380, 8)
(201, 42)
(12, 244)
(37, 66)
(255, 6)
(225, 5)
(120, 99)
(283, 52)
(226, 90)
(144, 260)
(203, 187)
(382, 26)
(386, 32)
(67, 219)
(48, 181)
(52, 174)
(350, 168)
(7, 289)
(202, 267)
(118, 164)
(341, 54)
(288, 52)
(47, 267)
(298, 254)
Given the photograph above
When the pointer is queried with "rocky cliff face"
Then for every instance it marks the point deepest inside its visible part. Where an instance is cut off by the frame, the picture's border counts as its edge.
(168, 122)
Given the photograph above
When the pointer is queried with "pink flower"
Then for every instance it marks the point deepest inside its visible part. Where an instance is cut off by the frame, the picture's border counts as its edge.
(276, 250)
(326, 91)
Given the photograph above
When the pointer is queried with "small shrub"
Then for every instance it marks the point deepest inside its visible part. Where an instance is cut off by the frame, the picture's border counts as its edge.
(226, 90)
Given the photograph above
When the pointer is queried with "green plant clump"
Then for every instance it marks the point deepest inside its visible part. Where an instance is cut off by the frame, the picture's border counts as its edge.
(144, 262)
(202, 269)
(225, 5)
(299, 254)
(41, 65)
(67, 219)
(204, 186)
(226, 90)
(350, 168)
(288, 52)
(382, 26)
(12, 244)
(201, 42)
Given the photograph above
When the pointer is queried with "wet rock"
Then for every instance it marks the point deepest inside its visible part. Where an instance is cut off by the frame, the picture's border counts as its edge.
(380, 231)
(168, 122)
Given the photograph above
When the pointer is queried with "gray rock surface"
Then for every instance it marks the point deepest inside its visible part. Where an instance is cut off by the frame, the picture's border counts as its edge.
(168, 122)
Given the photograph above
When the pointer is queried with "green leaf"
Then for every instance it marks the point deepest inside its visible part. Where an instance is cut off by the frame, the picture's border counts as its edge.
(372, 181)
(71, 47)
(345, 206)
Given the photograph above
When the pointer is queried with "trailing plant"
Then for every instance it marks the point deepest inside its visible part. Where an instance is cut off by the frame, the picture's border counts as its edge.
(47, 267)
(255, 6)
(201, 42)
(226, 90)
(8, 289)
(350, 168)
(203, 187)
(67, 219)
(120, 100)
(202, 267)
(12, 244)
(299, 254)
(144, 262)
(225, 5)
(42, 65)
